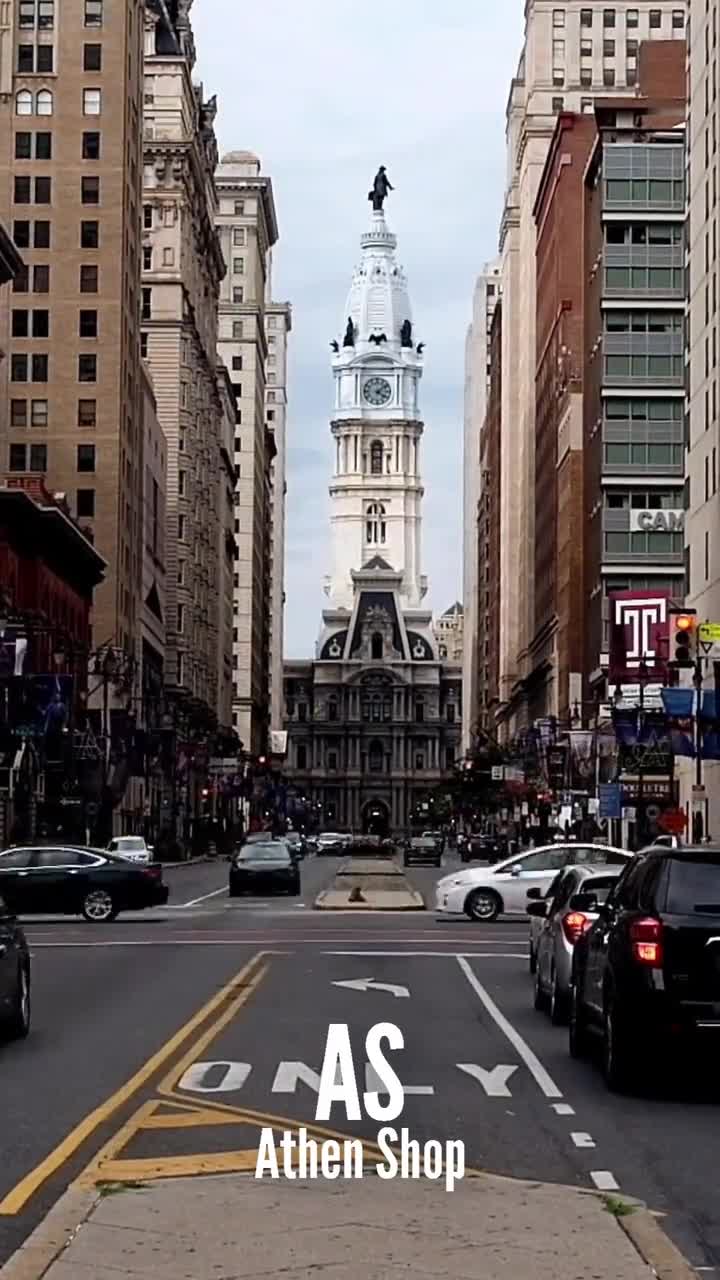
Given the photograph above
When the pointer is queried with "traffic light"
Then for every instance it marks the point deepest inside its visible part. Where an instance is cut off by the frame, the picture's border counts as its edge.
(683, 638)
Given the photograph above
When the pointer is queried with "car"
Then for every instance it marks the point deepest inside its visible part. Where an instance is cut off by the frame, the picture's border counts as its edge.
(485, 892)
(560, 927)
(76, 880)
(14, 977)
(297, 845)
(132, 848)
(480, 848)
(424, 850)
(332, 842)
(264, 868)
(646, 975)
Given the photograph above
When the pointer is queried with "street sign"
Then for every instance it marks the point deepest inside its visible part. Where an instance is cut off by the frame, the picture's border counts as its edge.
(497, 773)
(628, 814)
(610, 800)
(709, 632)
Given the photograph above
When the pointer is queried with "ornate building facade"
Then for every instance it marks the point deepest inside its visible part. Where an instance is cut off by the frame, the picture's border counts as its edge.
(374, 721)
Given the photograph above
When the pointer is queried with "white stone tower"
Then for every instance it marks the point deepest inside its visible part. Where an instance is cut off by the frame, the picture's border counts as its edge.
(376, 489)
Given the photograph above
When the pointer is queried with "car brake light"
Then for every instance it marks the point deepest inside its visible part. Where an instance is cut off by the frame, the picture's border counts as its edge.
(574, 925)
(154, 872)
(646, 940)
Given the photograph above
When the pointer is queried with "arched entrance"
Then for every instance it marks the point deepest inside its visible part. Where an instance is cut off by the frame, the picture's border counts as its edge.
(376, 818)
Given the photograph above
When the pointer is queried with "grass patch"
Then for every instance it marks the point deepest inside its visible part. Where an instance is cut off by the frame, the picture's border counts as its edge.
(106, 1189)
(617, 1207)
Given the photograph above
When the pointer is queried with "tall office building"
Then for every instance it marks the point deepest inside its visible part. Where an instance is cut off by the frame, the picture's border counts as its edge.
(573, 53)
(182, 267)
(278, 324)
(71, 76)
(247, 227)
(477, 383)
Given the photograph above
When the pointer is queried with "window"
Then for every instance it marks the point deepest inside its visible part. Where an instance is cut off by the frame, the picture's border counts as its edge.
(301, 756)
(86, 457)
(21, 234)
(92, 102)
(87, 413)
(375, 526)
(237, 363)
(608, 48)
(144, 345)
(21, 282)
(18, 454)
(558, 17)
(39, 368)
(43, 146)
(18, 368)
(237, 331)
(655, 19)
(632, 18)
(38, 457)
(586, 17)
(181, 528)
(678, 19)
(376, 647)
(90, 190)
(43, 190)
(586, 77)
(147, 258)
(23, 146)
(20, 327)
(302, 711)
(38, 413)
(23, 103)
(88, 324)
(558, 104)
(88, 278)
(40, 324)
(608, 76)
(376, 458)
(146, 311)
(180, 618)
(239, 236)
(44, 103)
(238, 294)
(41, 235)
(93, 13)
(239, 207)
(92, 57)
(87, 368)
(239, 266)
(85, 503)
(18, 418)
(608, 17)
(22, 190)
(91, 146)
(89, 235)
(46, 15)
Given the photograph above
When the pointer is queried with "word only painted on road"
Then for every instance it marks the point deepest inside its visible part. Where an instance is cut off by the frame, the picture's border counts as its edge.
(223, 1076)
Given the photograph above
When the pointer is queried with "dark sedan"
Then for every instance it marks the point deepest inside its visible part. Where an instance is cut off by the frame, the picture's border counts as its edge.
(264, 868)
(67, 880)
(423, 849)
(14, 978)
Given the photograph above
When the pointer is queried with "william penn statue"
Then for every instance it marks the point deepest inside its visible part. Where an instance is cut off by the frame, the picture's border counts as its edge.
(380, 189)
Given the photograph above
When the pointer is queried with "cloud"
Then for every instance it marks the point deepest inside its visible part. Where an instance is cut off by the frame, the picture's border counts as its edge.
(323, 93)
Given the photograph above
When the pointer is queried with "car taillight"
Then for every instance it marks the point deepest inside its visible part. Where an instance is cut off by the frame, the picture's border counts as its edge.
(646, 940)
(155, 873)
(574, 925)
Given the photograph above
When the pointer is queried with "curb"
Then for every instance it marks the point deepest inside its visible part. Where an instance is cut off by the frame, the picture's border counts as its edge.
(187, 862)
(51, 1238)
(655, 1247)
(320, 905)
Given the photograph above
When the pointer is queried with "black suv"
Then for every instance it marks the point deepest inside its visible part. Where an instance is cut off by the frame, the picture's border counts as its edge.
(647, 973)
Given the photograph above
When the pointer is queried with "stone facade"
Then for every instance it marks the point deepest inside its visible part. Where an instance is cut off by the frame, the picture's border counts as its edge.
(278, 324)
(247, 228)
(182, 267)
(71, 407)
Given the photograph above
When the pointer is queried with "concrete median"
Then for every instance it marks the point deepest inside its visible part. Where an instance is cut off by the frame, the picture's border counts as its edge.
(363, 884)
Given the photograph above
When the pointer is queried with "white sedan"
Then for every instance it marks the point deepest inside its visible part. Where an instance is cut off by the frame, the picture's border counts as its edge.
(484, 893)
(131, 848)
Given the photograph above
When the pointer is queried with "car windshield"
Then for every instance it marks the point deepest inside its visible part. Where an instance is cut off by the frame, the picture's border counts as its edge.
(694, 886)
(264, 853)
(129, 843)
(599, 886)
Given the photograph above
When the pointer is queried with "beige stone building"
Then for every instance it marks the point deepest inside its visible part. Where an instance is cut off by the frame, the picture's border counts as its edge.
(278, 324)
(227, 548)
(573, 53)
(71, 407)
(247, 228)
(182, 267)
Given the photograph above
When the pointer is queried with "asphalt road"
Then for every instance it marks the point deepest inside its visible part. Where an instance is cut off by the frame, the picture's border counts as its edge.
(478, 1063)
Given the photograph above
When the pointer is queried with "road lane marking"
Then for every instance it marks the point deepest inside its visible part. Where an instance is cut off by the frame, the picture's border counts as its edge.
(542, 1078)
(582, 1140)
(563, 1109)
(233, 1078)
(374, 1084)
(604, 1181)
(493, 1081)
(180, 906)
(433, 955)
(17, 1198)
(368, 984)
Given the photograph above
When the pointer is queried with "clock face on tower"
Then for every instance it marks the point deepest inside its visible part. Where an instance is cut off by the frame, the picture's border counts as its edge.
(377, 391)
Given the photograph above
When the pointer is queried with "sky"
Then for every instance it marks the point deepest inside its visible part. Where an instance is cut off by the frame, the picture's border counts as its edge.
(324, 92)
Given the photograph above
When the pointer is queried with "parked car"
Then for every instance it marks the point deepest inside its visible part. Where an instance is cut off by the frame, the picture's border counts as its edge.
(423, 849)
(14, 977)
(480, 848)
(264, 868)
(332, 842)
(296, 844)
(646, 975)
(132, 848)
(560, 927)
(485, 892)
(73, 880)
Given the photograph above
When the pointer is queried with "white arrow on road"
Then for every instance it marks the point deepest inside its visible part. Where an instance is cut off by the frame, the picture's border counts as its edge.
(368, 984)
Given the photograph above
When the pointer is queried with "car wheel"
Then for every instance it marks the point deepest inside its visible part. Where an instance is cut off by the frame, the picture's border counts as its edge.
(98, 907)
(540, 1000)
(483, 905)
(532, 958)
(558, 1003)
(17, 1024)
(578, 1033)
(618, 1048)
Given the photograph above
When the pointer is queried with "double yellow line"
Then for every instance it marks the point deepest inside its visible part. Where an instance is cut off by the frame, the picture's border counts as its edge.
(218, 1012)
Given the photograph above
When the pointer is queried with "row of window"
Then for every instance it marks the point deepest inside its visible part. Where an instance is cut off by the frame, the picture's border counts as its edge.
(36, 279)
(632, 18)
(643, 322)
(42, 103)
(39, 15)
(644, 500)
(645, 279)
(644, 366)
(644, 233)
(20, 453)
(645, 190)
(622, 543)
(377, 760)
(40, 58)
(30, 190)
(38, 146)
(643, 455)
(37, 415)
(36, 323)
(36, 235)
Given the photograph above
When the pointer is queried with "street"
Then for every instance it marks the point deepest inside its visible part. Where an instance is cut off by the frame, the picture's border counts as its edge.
(116, 1082)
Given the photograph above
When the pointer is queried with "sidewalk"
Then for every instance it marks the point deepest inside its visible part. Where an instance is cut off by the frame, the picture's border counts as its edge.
(234, 1228)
